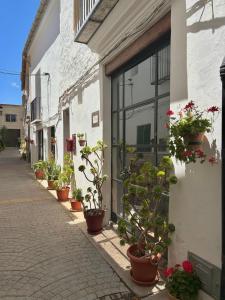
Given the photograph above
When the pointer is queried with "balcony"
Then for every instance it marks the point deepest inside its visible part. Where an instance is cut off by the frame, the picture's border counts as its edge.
(89, 15)
(36, 110)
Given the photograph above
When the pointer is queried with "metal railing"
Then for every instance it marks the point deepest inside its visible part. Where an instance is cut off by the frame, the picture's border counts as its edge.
(83, 10)
(36, 109)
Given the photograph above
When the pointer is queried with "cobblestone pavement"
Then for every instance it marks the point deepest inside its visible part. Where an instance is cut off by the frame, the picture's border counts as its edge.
(42, 255)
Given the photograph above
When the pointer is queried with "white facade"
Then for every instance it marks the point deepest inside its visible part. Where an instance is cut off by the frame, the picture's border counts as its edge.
(197, 50)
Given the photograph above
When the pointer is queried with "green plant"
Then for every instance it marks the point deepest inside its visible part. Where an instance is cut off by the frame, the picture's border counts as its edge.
(3, 135)
(182, 282)
(143, 224)
(23, 149)
(77, 194)
(94, 157)
(40, 165)
(80, 136)
(191, 122)
(53, 170)
(64, 178)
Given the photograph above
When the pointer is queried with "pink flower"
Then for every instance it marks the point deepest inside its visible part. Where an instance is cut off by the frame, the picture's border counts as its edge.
(187, 266)
(168, 272)
(169, 112)
(213, 109)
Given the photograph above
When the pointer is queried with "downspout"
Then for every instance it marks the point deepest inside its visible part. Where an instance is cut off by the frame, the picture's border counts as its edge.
(222, 74)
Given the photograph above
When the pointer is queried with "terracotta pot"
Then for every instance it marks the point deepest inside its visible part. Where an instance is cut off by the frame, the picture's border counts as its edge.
(82, 143)
(94, 219)
(51, 184)
(75, 205)
(143, 271)
(63, 194)
(194, 142)
(40, 174)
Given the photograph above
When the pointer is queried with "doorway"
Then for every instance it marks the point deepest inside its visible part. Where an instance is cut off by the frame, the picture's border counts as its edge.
(40, 144)
(66, 128)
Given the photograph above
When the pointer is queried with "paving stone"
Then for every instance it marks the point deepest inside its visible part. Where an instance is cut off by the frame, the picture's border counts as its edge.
(41, 255)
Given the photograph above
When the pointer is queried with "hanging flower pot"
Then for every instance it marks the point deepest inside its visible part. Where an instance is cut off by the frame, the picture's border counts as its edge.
(94, 219)
(82, 143)
(63, 194)
(194, 141)
(144, 271)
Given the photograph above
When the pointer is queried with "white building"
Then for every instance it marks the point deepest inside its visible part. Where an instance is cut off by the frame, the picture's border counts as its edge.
(85, 59)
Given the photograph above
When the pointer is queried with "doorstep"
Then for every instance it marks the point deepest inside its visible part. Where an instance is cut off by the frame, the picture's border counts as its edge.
(108, 244)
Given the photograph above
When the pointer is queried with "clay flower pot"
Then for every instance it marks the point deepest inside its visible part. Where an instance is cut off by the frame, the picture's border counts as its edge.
(194, 142)
(94, 219)
(143, 271)
(82, 143)
(39, 174)
(75, 205)
(51, 184)
(63, 194)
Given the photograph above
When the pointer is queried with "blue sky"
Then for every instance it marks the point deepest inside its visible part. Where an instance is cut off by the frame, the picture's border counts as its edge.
(16, 17)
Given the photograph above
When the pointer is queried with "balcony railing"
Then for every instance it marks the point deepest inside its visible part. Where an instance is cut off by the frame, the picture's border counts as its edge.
(36, 110)
(88, 17)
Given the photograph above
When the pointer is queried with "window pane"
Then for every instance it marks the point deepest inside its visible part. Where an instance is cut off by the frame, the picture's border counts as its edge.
(139, 82)
(13, 118)
(163, 133)
(117, 156)
(164, 70)
(140, 132)
(117, 130)
(117, 93)
(117, 193)
(7, 118)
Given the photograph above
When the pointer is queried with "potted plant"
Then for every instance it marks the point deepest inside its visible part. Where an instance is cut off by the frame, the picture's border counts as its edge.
(64, 179)
(81, 139)
(188, 130)
(77, 197)
(93, 201)
(182, 282)
(40, 169)
(144, 226)
(52, 173)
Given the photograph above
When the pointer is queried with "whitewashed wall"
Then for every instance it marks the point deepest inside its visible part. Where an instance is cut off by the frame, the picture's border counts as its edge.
(55, 52)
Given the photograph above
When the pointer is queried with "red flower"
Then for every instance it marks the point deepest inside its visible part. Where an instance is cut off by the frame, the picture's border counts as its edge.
(169, 112)
(187, 153)
(212, 160)
(168, 272)
(187, 266)
(190, 105)
(200, 153)
(213, 109)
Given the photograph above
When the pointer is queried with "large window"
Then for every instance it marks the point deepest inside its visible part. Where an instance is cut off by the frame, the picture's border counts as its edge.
(10, 118)
(140, 99)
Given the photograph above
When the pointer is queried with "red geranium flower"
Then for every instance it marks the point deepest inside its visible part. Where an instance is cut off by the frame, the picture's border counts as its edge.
(212, 160)
(213, 109)
(187, 153)
(169, 112)
(190, 105)
(187, 266)
(199, 153)
(168, 272)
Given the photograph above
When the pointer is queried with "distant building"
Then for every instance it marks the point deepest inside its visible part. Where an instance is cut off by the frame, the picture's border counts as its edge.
(11, 116)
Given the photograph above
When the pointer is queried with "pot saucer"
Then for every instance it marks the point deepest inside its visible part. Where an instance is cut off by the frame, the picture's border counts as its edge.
(147, 283)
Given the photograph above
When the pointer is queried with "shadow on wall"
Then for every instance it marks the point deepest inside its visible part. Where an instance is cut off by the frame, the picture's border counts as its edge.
(213, 24)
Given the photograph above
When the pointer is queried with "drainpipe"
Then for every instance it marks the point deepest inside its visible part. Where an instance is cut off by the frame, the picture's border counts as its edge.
(222, 74)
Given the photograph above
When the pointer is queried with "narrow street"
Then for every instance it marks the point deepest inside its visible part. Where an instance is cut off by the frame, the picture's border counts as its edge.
(43, 256)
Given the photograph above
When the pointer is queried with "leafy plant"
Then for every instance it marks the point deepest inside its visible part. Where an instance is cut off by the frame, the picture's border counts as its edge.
(191, 122)
(94, 157)
(22, 150)
(80, 136)
(3, 135)
(40, 165)
(77, 194)
(64, 178)
(143, 224)
(53, 170)
(182, 282)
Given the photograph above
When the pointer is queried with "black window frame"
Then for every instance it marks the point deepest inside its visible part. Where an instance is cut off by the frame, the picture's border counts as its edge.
(10, 118)
(145, 54)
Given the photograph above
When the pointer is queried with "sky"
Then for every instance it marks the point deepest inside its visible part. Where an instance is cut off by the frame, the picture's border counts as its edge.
(16, 17)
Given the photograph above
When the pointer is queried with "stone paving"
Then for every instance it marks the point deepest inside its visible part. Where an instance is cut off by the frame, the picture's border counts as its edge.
(42, 254)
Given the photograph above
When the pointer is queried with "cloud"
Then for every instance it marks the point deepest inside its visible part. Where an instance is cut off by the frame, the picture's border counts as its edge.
(15, 85)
